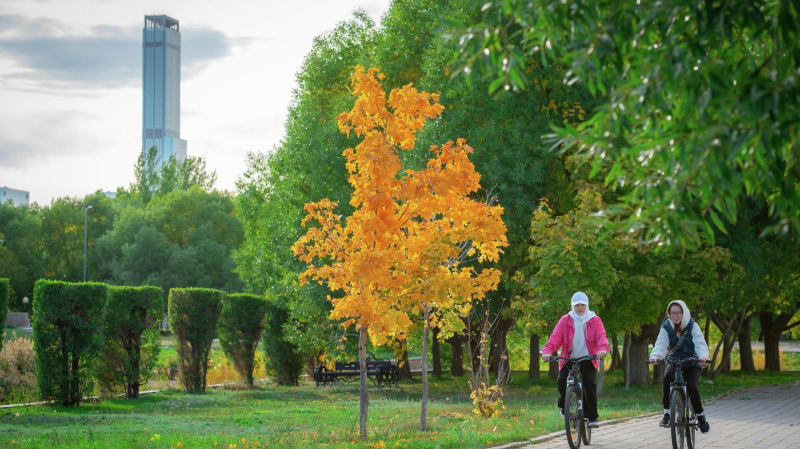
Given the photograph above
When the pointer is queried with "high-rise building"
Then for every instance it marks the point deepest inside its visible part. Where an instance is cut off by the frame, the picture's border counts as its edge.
(161, 85)
(17, 197)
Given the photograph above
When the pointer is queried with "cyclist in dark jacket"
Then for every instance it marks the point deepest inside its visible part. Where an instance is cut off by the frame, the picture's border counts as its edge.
(677, 324)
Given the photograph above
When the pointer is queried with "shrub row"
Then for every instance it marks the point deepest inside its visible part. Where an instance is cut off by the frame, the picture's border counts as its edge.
(87, 331)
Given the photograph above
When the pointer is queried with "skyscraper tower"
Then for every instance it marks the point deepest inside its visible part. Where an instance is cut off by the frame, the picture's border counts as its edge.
(161, 86)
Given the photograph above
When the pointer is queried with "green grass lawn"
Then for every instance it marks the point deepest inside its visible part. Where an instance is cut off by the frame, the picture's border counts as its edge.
(307, 416)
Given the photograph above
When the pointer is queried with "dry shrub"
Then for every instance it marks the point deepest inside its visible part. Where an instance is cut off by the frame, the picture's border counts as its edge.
(17, 369)
(222, 370)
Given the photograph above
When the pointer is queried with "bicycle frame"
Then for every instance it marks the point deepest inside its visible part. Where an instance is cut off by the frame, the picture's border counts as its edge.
(577, 420)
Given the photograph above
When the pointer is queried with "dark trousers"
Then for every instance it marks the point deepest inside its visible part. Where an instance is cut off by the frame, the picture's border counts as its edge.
(691, 376)
(589, 374)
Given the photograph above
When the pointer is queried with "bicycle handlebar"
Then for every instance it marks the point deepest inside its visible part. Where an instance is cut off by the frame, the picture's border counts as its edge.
(675, 361)
(576, 359)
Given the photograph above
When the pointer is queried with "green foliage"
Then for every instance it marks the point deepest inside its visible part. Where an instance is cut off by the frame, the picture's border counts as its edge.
(183, 238)
(240, 327)
(275, 186)
(193, 318)
(284, 361)
(67, 319)
(4, 294)
(22, 257)
(132, 341)
(628, 285)
(156, 177)
(702, 100)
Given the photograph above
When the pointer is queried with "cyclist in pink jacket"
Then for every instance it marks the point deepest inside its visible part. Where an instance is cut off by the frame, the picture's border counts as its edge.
(579, 333)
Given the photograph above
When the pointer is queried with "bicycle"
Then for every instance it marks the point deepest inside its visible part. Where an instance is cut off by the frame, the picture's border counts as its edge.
(682, 419)
(574, 421)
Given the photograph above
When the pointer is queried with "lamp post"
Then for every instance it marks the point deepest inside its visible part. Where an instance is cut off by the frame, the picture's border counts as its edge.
(25, 304)
(85, 223)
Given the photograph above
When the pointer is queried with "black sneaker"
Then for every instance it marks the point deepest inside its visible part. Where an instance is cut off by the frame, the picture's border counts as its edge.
(664, 421)
(702, 423)
(562, 412)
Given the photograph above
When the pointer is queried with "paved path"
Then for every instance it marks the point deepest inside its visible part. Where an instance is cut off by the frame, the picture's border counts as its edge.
(763, 417)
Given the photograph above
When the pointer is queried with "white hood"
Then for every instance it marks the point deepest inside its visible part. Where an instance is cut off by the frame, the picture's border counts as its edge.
(686, 314)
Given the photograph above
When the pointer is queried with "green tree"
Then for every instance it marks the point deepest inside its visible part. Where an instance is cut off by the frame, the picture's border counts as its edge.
(66, 319)
(240, 327)
(306, 166)
(193, 317)
(154, 177)
(181, 239)
(131, 339)
(702, 100)
(21, 250)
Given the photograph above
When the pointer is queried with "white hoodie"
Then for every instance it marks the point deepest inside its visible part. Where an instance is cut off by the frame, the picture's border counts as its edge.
(661, 347)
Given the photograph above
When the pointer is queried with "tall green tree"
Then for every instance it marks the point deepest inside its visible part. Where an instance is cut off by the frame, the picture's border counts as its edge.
(21, 250)
(181, 239)
(702, 100)
(305, 167)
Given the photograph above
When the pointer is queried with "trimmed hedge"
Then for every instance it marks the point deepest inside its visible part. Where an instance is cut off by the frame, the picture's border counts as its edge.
(67, 319)
(284, 361)
(193, 318)
(240, 327)
(132, 340)
(4, 294)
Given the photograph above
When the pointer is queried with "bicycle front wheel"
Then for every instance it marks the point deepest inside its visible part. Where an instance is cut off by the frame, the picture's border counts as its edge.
(677, 418)
(586, 432)
(691, 427)
(572, 418)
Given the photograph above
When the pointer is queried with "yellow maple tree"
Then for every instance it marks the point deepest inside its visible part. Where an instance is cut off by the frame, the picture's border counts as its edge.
(416, 238)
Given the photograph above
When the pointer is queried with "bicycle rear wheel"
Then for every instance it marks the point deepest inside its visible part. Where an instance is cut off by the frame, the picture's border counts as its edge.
(571, 418)
(677, 418)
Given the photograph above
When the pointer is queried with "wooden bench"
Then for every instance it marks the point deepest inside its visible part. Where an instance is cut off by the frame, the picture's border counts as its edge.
(381, 372)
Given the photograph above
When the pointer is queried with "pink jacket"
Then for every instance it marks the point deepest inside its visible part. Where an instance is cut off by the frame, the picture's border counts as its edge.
(562, 335)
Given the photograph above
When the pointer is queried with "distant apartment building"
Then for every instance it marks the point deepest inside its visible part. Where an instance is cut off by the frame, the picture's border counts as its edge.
(17, 197)
(161, 86)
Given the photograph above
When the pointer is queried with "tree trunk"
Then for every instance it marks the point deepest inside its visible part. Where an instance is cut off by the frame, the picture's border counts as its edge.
(533, 364)
(424, 416)
(474, 353)
(638, 370)
(363, 394)
(436, 354)
(772, 352)
(601, 377)
(500, 351)
(772, 327)
(626, 351)
(658, 373)
(552, 370)
(405, 369)
(76, 384)
(457, 360)
(311, 361)
(615, 357)
(745, 347)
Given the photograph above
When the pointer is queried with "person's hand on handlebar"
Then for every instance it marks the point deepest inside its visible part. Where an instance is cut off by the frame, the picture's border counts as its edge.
(546, 357)
(601, 354)
(654, 360)
(703, 361)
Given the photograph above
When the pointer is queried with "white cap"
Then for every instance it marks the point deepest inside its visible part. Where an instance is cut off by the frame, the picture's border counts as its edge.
(580, 298)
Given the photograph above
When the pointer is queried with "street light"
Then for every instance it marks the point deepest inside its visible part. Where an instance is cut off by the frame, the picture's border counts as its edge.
(85, 223)
(25, 304)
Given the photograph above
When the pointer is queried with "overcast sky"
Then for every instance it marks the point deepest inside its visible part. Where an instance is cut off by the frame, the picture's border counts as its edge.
(71, 77)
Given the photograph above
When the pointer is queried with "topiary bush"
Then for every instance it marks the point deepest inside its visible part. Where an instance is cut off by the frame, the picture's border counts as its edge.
(67, 337)
(132, 340)
(284, 361)
(240, 327)
(193, 318)
(4, 294)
